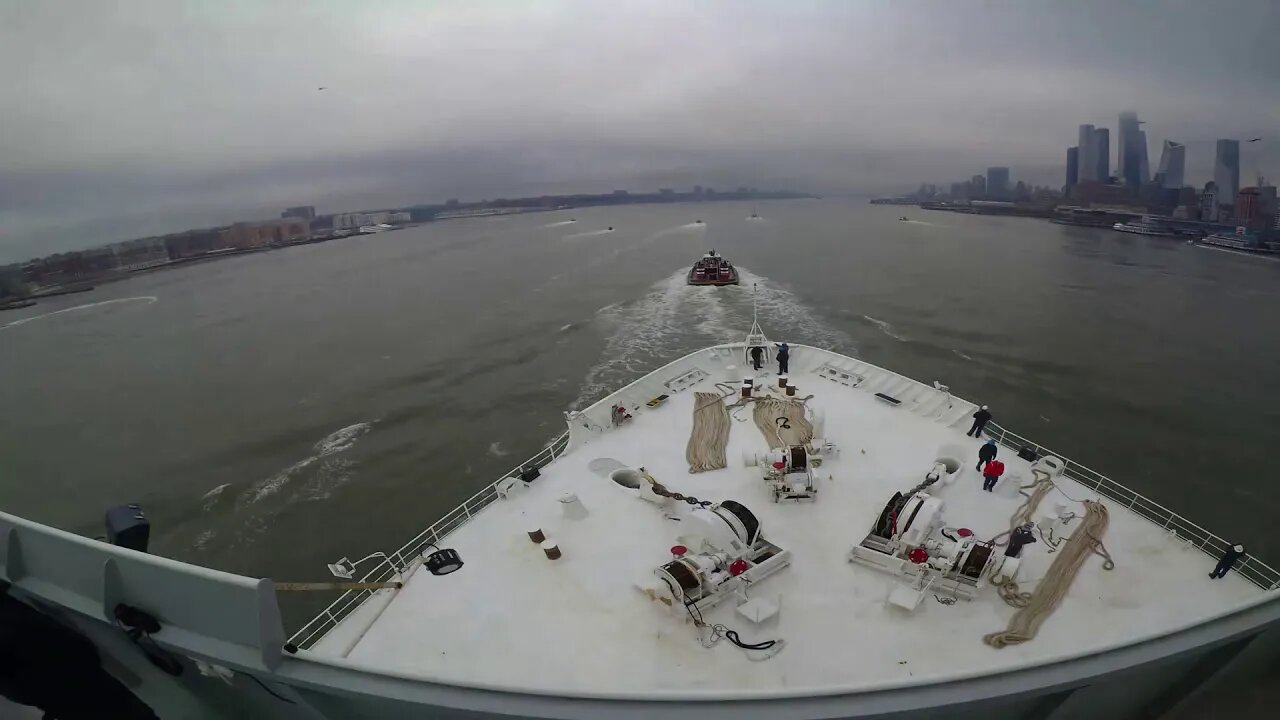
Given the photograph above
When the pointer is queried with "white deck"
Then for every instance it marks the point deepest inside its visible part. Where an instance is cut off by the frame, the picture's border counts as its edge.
(513, 618)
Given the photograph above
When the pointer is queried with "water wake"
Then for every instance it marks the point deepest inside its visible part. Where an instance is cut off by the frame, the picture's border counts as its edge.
(202, 540)
(639, 334)
(328, 475)
(211, 498)
(562, 223)
(674, 318)
(78, 308)
(590, 233)
(885, 328)
(783, 315)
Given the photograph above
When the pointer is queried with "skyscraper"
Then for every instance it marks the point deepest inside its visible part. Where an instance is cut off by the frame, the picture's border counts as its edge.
(1173, 158)
(1144, 169)
(998, 183)
(1267, 201)
(1131, 146)
(1088, 154)
(1073, 167)
(979, 184)
(1102, 146)
(1226, 171)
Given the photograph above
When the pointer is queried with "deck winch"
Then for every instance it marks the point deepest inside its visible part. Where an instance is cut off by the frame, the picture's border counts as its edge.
(788, 471)
(721, 550)
(910, 538)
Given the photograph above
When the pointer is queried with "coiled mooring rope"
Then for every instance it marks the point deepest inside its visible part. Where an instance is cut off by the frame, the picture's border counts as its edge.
(710, 436)
(770, 413)
(1034, 608)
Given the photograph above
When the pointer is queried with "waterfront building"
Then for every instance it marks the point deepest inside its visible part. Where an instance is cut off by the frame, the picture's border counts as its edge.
(1087, 157)
(1131, 151)
(998, 183)
(303, 212)
(1226, 171)
(1102, 150)
(1073, 167)
(1209, 202)
(1173, 159)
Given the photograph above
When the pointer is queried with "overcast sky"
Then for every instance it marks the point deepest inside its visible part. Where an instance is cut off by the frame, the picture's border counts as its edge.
(129, 118)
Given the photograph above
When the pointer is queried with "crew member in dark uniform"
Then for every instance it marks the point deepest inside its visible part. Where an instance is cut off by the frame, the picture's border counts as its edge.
(1227, 561)
(757, 355)
(784, 357)
(1021, 535)
(986, 453)
(980, 420)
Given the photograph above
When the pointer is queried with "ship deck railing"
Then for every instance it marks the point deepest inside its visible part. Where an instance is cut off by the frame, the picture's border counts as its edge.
(1251, 568)
(388, 567)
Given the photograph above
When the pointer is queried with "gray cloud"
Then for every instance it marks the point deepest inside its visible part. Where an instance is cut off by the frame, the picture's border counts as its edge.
(137, 117)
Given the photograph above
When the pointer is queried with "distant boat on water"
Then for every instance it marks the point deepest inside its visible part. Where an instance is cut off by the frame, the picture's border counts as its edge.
(1145, 226)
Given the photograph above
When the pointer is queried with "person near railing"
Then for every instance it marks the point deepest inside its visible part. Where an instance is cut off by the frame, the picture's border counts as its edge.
(986, 453)
(980, 420)
(991, 474)
(1227, 561)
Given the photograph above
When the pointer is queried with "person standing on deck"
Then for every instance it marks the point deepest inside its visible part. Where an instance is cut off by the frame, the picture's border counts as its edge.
(980, 420)
(1227, 561)
(986, 453)
(757, 353)
(991, 474)
(784, 357)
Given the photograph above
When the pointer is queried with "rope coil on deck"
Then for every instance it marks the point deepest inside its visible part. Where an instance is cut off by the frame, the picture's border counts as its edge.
(1041, 487)
(1035, 608)
(769, 412)
(712, 422)
(710, 436)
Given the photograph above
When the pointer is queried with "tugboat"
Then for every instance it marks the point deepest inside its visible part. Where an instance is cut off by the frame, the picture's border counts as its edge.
(713, 270)
(903, 219)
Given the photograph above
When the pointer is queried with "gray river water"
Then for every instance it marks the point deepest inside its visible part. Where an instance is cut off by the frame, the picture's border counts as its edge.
(277, 411)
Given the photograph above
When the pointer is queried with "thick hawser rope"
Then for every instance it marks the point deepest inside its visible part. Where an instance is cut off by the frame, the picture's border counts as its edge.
(1035, 608)
(769, 414)
(711, 422)
(1022, 515)
(710, 436)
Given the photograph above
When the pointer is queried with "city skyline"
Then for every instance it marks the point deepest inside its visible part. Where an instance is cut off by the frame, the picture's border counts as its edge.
(118, 125)
(1089, 162)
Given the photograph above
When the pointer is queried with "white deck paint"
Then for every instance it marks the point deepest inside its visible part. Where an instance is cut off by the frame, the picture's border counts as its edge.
(513, 618)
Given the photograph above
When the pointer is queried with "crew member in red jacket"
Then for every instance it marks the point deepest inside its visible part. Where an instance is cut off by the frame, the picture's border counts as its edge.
(991, 474)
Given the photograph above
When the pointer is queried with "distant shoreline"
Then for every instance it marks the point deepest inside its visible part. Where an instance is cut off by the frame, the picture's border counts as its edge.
(428, 214)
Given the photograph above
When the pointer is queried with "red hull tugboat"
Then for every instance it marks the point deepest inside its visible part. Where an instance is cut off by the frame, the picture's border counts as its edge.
(713, 270)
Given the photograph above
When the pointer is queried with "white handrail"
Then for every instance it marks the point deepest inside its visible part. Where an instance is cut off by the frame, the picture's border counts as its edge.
(452, 520)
